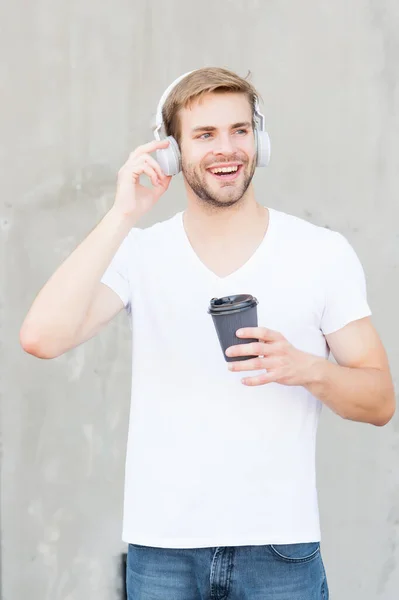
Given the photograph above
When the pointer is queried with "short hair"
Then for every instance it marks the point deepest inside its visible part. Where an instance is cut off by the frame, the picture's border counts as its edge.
(195, 85)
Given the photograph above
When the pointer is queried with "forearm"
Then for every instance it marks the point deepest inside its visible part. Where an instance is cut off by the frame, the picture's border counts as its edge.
(357, 394)
(62, 304)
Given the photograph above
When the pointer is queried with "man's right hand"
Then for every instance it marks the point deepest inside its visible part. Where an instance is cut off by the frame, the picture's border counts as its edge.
(132, 198)
(73, 305)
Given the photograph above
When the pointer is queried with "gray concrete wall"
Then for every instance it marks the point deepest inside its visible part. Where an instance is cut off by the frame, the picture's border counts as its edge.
(80, 83)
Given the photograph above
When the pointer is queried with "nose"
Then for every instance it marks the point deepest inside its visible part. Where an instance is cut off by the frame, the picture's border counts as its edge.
(224, 144)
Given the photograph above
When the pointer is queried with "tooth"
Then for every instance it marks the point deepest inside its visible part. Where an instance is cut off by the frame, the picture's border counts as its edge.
(225, 170)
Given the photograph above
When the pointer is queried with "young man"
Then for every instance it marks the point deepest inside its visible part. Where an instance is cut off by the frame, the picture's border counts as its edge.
(220, 496)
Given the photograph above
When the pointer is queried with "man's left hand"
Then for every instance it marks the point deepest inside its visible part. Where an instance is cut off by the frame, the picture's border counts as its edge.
(284, 363)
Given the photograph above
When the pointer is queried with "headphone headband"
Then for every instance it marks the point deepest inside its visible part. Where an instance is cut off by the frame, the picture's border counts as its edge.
(159, 118)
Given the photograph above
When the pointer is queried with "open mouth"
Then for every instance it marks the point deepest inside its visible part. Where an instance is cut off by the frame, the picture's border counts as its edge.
(226, 173)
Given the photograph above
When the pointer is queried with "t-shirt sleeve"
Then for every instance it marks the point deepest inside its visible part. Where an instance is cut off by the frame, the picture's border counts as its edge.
(345, 286)
(116, 276)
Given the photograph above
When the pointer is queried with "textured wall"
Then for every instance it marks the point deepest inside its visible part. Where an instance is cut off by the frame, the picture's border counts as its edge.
(80, 83)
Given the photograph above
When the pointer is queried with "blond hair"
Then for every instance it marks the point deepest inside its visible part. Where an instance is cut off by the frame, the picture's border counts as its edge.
(198, 83)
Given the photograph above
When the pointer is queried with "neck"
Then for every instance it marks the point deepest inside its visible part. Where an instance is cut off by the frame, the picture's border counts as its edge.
(209, 221)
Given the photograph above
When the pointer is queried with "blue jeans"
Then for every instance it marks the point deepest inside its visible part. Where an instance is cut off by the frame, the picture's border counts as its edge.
(279, 572)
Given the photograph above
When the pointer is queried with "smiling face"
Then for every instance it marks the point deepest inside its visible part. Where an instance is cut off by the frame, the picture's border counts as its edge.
(218, 148)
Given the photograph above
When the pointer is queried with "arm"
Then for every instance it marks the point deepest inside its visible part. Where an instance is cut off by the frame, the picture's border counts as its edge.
(360, 386)
(74, 304)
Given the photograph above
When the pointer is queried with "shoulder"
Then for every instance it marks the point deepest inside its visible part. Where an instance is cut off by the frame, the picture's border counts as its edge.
(326, 250)
(307, 235)
(154, 235)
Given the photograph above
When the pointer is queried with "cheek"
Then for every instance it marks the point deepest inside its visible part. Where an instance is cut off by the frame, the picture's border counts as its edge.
(195, 161)
(190, 157)
(249, 148)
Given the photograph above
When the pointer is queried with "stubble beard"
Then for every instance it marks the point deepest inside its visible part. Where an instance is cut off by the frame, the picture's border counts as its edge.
(195, 177)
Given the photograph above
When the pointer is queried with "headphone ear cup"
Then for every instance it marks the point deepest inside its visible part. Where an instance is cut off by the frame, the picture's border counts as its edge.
(262, 141)
(169, 158)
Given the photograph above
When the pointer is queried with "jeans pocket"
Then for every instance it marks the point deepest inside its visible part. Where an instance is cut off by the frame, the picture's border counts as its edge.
(296, 553)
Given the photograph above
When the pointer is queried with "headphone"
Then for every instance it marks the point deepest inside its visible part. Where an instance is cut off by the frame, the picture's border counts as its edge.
(169, 159)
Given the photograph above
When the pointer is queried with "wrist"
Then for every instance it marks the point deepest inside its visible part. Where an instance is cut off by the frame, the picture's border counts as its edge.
(120, 220)
(317, 372)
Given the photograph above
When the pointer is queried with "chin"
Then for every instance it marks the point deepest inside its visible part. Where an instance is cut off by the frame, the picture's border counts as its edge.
(220, 200)
(228, 194)
(211, 193)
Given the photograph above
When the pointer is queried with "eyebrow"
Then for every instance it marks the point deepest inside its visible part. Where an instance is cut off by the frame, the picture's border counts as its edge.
(212, 128)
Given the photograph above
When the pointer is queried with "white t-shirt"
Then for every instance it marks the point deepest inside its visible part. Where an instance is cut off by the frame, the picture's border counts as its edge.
(210, 461)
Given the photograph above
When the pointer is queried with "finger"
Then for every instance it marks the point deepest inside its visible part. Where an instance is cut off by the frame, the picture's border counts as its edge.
(145, 169)
(260, 333)
(134, 161)
(262, 379)
(252, 364)
(150, 147)
(155, 165)
(254, 348)
(164, 183)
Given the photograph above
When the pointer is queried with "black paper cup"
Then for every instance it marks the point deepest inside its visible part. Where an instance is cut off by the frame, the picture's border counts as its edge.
(229, 314)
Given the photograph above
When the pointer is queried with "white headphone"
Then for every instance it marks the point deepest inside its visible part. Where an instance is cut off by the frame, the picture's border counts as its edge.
(169, 159)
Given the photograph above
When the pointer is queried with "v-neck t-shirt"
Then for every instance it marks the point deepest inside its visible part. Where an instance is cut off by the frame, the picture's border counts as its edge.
(211, 462)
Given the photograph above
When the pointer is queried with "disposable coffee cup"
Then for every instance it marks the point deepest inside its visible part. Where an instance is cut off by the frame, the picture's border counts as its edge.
(231, 313)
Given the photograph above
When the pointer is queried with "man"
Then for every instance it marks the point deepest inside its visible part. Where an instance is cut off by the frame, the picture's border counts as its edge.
(220, 496)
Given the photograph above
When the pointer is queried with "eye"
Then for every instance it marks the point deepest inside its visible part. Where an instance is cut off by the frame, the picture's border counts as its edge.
(242, 131)
(204, 136)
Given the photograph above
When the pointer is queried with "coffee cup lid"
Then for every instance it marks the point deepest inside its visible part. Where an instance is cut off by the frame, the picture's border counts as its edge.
(231, 303)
